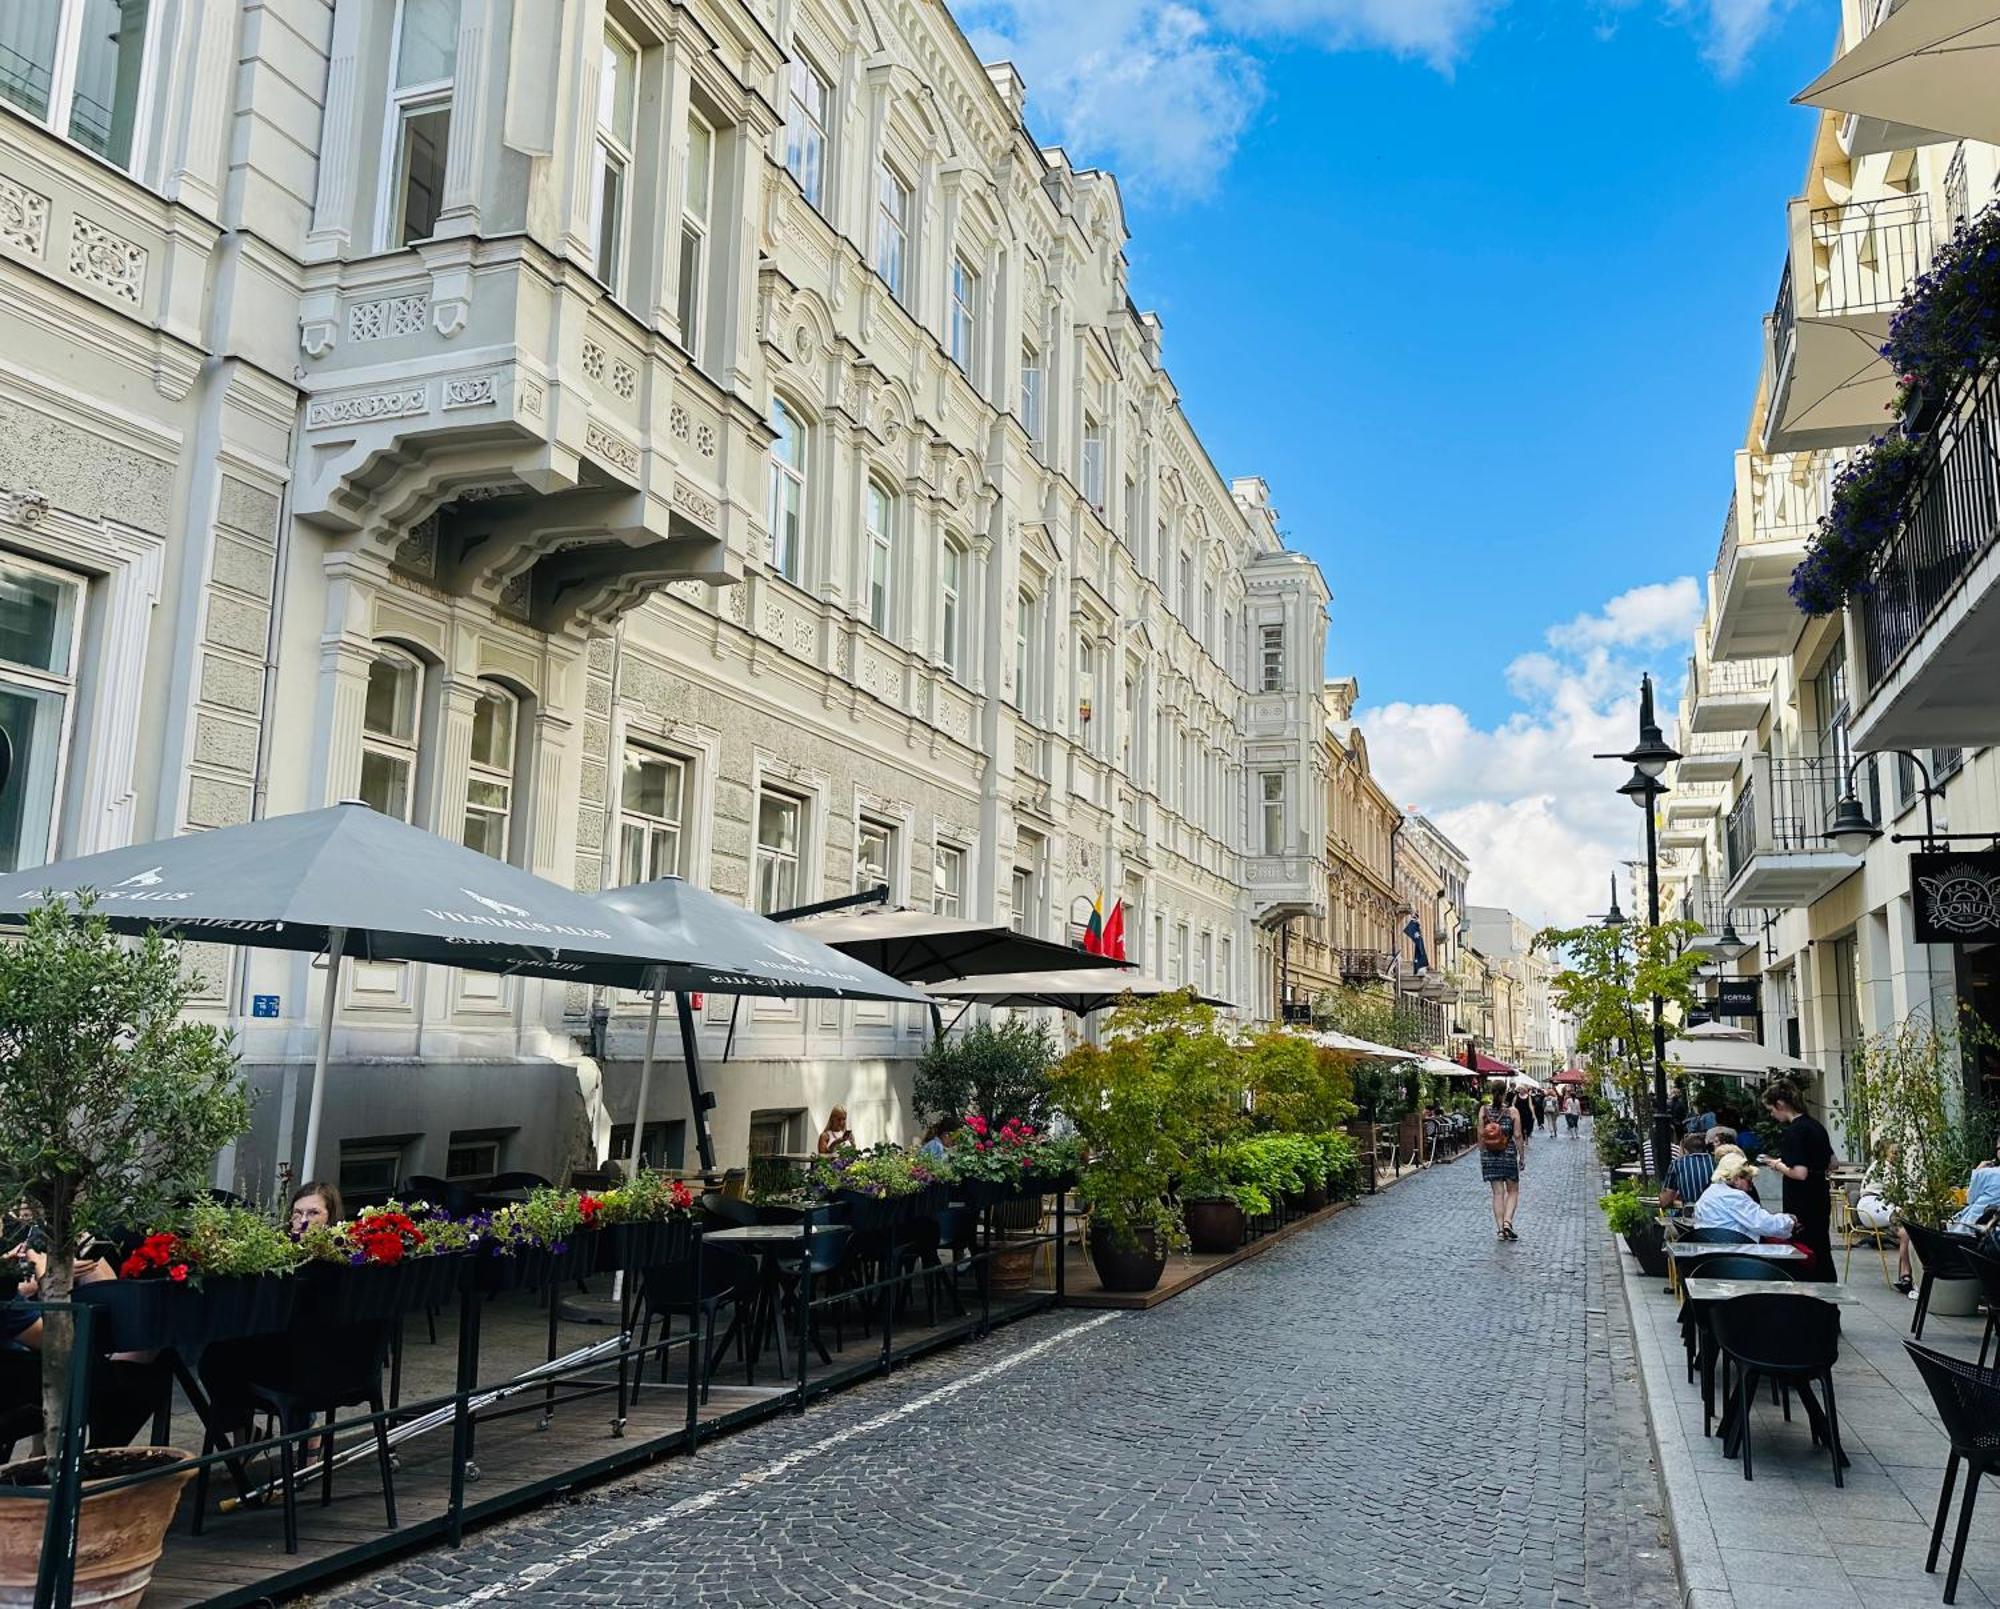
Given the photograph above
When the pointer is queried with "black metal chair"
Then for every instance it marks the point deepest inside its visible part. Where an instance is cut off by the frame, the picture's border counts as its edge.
(1985, 1266)
(729, 1211)
(1700, 1338)
(1968, 1401)
(515, 1181)
(1943, 1257)
(1794, 1340)
(680, 1289)
(456, 1199)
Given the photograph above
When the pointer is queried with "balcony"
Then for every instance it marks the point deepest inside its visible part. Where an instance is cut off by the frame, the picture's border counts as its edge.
(1847, 269)
(1930, 625)
(1916, 69)
(1695, 801)
(1731, 695)
(1774, 840)
(1364, 966)
(1709, 757)
(1779, 500)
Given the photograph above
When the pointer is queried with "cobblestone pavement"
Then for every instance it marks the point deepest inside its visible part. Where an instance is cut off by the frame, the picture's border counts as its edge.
(1388, 1409)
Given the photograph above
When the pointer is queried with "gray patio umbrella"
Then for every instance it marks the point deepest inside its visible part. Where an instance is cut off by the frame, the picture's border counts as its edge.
(743, 953)
(350, 881)
(1081, 990)
(919, 947)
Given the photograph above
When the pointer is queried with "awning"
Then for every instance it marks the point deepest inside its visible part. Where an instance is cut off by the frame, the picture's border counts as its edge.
(1931, 64)
(1081, 990)
(1483, 1063)
(919, 947)
(1569, 1075)
(1331, 1039)
(1717, 1056)
(1438, 1067)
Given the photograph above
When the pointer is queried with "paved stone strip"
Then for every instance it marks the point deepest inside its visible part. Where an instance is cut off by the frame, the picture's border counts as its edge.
(1391, 1409)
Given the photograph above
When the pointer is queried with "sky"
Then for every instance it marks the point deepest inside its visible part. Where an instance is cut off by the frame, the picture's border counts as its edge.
(1476, 286)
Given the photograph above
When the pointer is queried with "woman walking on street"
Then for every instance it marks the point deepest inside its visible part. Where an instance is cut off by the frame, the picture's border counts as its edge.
(1501, 1138)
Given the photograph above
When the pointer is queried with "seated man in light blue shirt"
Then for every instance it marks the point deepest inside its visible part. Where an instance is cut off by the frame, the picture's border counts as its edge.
(1726, 1204)
(1982, 1199)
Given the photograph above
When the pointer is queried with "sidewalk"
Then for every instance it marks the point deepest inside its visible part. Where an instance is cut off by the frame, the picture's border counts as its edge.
(1790, 1536)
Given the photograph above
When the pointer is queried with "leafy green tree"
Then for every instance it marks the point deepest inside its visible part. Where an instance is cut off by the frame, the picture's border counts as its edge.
(1371, 1014)
(1296, 1087)
(1903, 1105)
(112, 1107)
(1606, 981)
(997, 1069)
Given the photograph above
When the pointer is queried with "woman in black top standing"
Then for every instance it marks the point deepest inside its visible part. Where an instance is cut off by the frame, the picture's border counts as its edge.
(1804, 1154)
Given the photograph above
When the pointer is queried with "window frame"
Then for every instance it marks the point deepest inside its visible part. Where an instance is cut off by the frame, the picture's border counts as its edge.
(946, 854)
(1272, 810)
(1034, 387)
(892, 227)
(405, 102)
(688, 308)
(1271, 658)
(798, 72)
(761, 852)
(889, 832)
(390, 746)
(1027, 650)
(65, 685)
(1090, 461)
(963, 301)
(951, 606)
(504, 778)
(879, 553)
(787, 476)
(654, 828)
(610, 153)
(58, 115)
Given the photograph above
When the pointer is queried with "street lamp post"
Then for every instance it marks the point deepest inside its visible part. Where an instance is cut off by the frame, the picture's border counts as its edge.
(1652, 755)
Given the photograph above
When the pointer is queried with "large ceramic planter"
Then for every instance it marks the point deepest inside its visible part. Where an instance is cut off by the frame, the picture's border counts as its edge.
(1649, 1248)
(1315, 1197)
(119, 1535)
(1214, 1226)
(1013, 1268)
(1130, 1268)
(1950, 1298)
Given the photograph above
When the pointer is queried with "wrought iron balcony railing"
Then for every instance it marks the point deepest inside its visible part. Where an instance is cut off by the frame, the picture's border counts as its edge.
(1865, 253)
(1364, 966)
(1951, 520)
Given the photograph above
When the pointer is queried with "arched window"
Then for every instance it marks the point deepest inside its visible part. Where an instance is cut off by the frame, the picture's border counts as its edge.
(489, 783)
(391, 733)
(951, 587)
(881, 554)
(786, 513)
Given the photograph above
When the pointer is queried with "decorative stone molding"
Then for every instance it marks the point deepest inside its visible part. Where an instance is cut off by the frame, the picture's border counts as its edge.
(387, 318)
(700, 509)
(316, 336)
(678, 422)
(23, 508)
(110, 262)
(24, 218)
(593, 360)
(469, 391)
(397, 403)
(613, 450)
(530, 393)
(704, 441)
(624, 380)
(418, 551)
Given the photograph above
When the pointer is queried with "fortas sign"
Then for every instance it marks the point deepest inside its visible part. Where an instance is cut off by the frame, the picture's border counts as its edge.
(1956, 897)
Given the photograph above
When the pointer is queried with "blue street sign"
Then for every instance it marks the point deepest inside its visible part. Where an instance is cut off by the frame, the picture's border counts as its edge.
(263, 1005)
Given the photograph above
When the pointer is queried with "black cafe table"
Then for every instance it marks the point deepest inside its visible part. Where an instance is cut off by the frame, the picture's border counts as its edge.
(768, 1243)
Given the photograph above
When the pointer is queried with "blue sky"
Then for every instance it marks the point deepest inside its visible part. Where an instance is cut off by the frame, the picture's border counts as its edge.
(1475, 284)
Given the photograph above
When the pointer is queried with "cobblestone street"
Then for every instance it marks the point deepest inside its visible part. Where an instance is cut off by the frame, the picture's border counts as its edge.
(1391, 1409)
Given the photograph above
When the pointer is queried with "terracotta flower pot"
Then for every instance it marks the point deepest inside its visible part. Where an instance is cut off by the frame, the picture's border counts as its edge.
(1131, 1267)
(1013, 1268)
(1214, 1226)
(119, 1536)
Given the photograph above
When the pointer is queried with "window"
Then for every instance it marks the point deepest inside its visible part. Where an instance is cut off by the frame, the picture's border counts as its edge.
(805, 129)
(1187, 588)
(1205, 621)
(780, 835)
(489, 786)
(1274, 812)
(965, 317)
(420, 116)
(41, 614)
(1271, 672)
(665, 1150)
(611, 185)
(652, 805)
(951, 583)
(1023, 917)
(472, 1156)
(1092, 468)
(874, 855)
(1228, 654)
(1086, 690)
(697, 191)
(1129, 703)
(76, 66)
(777, 1133)
(948, 881)
(1027, 653)
(1177, 956)
(390, 732)
(1206, 976)
(371, 1167)
(788, 491)
(1033, 378)
(892, 230)
(1225, 983)
(881, 551)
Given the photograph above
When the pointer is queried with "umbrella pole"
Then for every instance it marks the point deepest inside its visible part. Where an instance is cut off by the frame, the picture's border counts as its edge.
(645, 1087)
(729, 1044)
(937, 1022)
(336, 945)
(698, 1097)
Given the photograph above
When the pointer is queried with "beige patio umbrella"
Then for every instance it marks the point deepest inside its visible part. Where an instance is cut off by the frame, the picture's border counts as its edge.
(1930, 64)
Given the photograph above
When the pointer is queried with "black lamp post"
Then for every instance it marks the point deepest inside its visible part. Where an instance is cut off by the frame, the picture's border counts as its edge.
(1651, 757)
(1853, 829)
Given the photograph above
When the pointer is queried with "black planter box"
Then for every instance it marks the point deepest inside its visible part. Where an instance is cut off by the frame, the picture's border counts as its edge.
(626, 1248)
(136, 1315)
(332, 1293)
(536, 1267)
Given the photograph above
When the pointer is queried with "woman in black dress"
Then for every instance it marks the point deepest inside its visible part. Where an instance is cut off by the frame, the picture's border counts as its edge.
(1500, 1159)
(1805, 1152)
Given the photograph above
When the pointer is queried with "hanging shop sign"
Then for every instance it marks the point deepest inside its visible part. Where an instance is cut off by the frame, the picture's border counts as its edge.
(1955, 897)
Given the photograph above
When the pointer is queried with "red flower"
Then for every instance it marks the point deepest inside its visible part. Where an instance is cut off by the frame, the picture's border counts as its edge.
(977, 1124)
(682, 1198)
(133, 1266)
(590, 1207)
(178, 1272)
(383, 1248)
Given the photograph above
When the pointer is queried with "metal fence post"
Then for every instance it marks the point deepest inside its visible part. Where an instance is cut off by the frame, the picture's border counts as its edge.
(461, 1418)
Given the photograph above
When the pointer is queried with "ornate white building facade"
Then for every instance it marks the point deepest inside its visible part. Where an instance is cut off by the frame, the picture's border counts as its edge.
(630, 438)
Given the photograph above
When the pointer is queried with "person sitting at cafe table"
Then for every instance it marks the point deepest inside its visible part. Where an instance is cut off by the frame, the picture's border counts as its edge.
(314, 1203)
(1690, 1172)
(1982, 1197)
(1726, 1203)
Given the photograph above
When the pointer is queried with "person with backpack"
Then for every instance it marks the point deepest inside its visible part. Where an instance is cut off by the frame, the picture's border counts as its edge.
(1500, 1138)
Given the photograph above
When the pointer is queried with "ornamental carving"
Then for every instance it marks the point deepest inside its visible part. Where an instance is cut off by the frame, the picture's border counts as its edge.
(24, 218)
(397, 403)
(114, 265)
(417, 552)
(388, 318)
(469, 391)
(23, 508)
(624, 380)
(678, 422)
(704, 441)
(593, 360)
(531, 399)
(601, 443)
(691, 503)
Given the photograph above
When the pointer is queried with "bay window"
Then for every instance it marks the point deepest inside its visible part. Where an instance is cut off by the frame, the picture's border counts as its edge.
(1273, 800)
(426, 60)
(652, 806)
(78, 67)
(489, 783)
(41, 619)
(1271, 668)
(611, 178)
(786, 511)
(391, 733)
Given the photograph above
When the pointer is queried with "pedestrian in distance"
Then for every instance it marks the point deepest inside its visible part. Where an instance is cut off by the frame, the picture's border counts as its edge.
(1500, 1143)
(1572, 1112)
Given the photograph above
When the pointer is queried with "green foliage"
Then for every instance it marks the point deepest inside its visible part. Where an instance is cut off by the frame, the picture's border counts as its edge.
(1624, 1212)
(1296, 1086)
(885, 1172)
(223, 1241)
(1606, 982)
(1372, 1014)
(999, 1070)
(1386, 1090)
(112, 1107)
(546, 1219)
(1902, 1104)
(1164, 1085)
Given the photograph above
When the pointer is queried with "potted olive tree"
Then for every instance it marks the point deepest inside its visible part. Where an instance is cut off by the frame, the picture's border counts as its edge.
(997, 1072)
(112, 1108)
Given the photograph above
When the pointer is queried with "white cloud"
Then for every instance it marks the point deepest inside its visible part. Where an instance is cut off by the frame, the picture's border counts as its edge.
(1730, 29)
(1525, 799)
